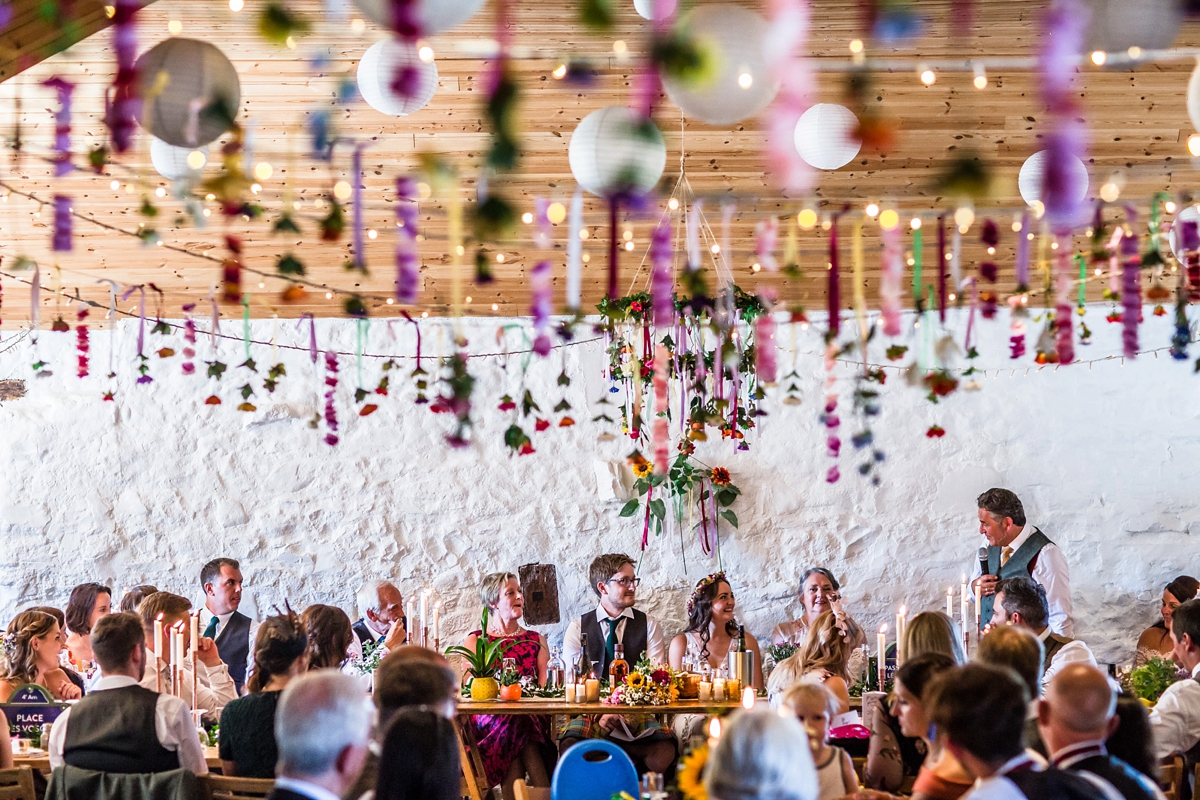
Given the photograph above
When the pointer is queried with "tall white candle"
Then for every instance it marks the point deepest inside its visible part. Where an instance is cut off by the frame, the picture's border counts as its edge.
(963, 609)
(881, 651)
(195, 638)
(437, 615)
(158, 640)
(410, 619)
(425, 615)
(978, 604)
(901, 630)
(950, 602)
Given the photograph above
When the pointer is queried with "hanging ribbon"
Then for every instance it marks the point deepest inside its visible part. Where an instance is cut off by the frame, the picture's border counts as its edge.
(360, 253)
(1131, 286)
(61, 239)
(1022, 264)
(215, 327)
(766, 237)
(835, 297)
(956, 257)
(1064, 339)
(111, 316)
(575, 253)
(361, 331)
(125, 109)
(974, 286)
(1081, 262)
(613, 252)
(660, 430)
(1065, 24)
(62, 124)
(918, 247)
(941, 265)
(312, 335)
(890, 281)
(231, 271)
(35, 291)
(765, 347)
(693, 236)
(141, 337)
(786, 48)
(662, 278)
(407, 269)
(860, 298)
(540, 278)
(246, 324)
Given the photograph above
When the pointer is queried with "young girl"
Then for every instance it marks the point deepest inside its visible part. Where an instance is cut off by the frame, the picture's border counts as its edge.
(814, 707)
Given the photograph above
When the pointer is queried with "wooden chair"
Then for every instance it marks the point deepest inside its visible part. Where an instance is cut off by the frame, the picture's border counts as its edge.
(219, 787)
(1171, 778)
(524, 792)
(17, 784)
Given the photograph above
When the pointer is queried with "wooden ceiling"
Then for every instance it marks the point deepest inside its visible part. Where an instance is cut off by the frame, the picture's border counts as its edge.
(1136, 118)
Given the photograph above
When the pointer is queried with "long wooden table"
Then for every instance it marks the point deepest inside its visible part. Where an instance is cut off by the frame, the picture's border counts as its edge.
(41, 761)
(475, 778)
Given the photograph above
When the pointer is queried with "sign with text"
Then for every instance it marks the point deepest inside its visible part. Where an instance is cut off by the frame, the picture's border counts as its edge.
(29, 708)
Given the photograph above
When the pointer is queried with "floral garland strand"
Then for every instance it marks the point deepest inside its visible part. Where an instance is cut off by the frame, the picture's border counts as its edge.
(231, 271)
(407, 272)
(1131, 287)
(189, 340)
(988, 271)
(1189, 243)
(61, 240)
(126, 105)
(62, 124)
(890, 288)
(1064, 22)
(82, 345)
(785, 48)
(331, 383)
(540, 278)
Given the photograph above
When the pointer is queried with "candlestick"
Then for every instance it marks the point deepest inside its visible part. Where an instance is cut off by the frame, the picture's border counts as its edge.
(158, 665)
(950, 603)
(901, 631)
(965, 612)
(978, 604)
(437, 614)
(410, 619)
(881, 658)
(425, 618)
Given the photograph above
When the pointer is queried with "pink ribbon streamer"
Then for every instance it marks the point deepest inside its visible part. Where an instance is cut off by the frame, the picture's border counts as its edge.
(215, 327)
(1064, 308)
(765, 346)
(660, 433)
(662, 278)
(785, 49)
(62, 124)
(974, 284)
(835, 289)
(890, 289)
(766, 236)
(408, 275)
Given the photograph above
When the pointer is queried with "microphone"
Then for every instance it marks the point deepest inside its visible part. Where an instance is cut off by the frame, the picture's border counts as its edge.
(983, 561)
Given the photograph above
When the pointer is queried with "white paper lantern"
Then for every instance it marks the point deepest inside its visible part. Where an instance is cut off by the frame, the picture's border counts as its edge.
(1029, 180)
(613, 151)
(645, 8)
(434, 16)
(1188, 214)
(825, 136)
(1193, 98)
(377, 69)
(188, 89)
(174, 162)
(743, 85)
(1117, 25)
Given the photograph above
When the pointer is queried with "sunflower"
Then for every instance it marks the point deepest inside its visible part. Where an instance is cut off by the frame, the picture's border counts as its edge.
(643, 469)
(690, 776)
(720, 476)
(636, 680)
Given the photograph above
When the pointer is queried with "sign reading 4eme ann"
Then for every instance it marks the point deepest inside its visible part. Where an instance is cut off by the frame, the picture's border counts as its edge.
(28, 708)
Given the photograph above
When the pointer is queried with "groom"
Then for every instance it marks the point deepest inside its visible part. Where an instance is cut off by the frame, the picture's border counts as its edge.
(615, 621)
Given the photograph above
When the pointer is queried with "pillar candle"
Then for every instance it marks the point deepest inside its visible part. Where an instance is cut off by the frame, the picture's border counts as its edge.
(593, 690)
(570, 696)
(195, 639)
(410, 618)
(950, 602)
(705, 691)
(437, 613)
(425, 615)
(881, 650)
(718, 689)
(978, 603)
(963, 604)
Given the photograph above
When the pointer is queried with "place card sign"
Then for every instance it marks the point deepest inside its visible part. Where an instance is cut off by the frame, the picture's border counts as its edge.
(29, 708)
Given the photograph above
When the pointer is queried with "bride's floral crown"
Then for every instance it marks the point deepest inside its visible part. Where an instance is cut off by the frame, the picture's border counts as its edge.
(701, 585)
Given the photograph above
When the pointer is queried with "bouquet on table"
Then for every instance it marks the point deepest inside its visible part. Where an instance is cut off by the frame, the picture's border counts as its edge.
(646, 685)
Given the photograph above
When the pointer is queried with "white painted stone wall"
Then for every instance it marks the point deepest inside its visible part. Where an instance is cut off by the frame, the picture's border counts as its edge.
(147, 488)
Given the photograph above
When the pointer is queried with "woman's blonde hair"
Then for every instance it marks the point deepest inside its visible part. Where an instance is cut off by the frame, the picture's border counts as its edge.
(933, 632)
(824, 647)
(491, 586)
(18, 659)
(801, 692)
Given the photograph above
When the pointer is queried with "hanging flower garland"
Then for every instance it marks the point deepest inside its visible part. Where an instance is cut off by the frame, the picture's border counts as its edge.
(126, 108)
(407, 270)
(82, 345)
(1131, 287)
(62, 124)
(331, 383)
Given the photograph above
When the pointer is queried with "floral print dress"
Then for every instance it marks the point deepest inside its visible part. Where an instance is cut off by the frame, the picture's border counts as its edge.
(501, 738)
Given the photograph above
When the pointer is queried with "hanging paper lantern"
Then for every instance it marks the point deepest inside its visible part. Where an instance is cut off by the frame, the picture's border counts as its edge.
(189, 90)
(1117, 25)
(646, 8)
(174, 162)
(1029, 181)
(615, 151)
(377, 72)
(1193, 98)
(432, 16)
(742, 84)
(1187, 214)
(825, 136)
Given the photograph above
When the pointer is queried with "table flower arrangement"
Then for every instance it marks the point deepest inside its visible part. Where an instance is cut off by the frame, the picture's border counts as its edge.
(646, 685)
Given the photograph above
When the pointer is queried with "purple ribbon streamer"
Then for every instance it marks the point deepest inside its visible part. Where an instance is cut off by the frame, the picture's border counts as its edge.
(539, 284)
(1131, 287)
(312, 334)
(62, 124)
(1023, 252)
(407, 271)
(126, 105)
(61, 239)
(360, 256)
(835, 297)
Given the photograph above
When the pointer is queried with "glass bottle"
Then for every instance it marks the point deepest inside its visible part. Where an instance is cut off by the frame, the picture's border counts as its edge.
(583, 666)
(618, 670)
(555, 670)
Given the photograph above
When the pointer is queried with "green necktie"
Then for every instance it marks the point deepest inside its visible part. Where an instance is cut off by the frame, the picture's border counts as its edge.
(610, 644)
(211, 630)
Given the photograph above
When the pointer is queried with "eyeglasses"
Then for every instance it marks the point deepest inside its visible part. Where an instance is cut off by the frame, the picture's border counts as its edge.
(626, 583)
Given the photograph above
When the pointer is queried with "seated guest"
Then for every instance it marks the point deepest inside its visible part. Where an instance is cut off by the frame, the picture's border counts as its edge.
(1075, 716)
(329, 636)
(81, 681)
(381, 615)
(248, 723)
(220, 620)
(712, 629)
(32, 644)
(1156, 640)
(214, 688)
(813, 707)
(510, 743)
(979, 712)
(1020, 601)
(321, 729)
(761, 755)
(134, 597)
(819, 590)
(409, 676)
(821, 659)
(941, 777)
(1019, 650)
(86, 605)
(615, 621)
(892, 755)
(1133, 741)
(1175, 719)
(420, 758)
(122, 727)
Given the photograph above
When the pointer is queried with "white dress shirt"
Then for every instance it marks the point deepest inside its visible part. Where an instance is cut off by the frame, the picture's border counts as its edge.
(1175, 719)
(223, 620)
(999, 787)
(1074, 652)
(656, 650)
(1052, 573)
(305, 788)
(172, 723)
(214, 691)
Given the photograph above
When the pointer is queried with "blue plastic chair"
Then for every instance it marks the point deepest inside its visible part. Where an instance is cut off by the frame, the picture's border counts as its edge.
(595, 769)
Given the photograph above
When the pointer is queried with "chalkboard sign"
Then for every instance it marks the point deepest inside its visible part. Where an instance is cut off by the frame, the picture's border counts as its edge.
(28, 708)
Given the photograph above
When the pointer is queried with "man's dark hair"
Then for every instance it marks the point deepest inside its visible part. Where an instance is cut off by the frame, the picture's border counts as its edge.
(134, 597)
(79, 606)
(605, 566)
(1001, 503)
(1017, 649)
(1186, 619)
(981, 709)
(212, 570)
(114, 639)
(917, 673)
(165, 603)
(412, 676)
(420, 758)
(1026, 597)
(1184, 588)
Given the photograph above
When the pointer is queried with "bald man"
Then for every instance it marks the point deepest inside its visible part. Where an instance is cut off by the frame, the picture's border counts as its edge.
(1075, 717)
